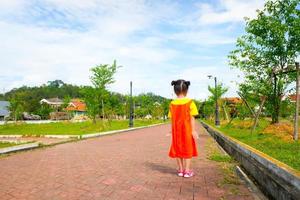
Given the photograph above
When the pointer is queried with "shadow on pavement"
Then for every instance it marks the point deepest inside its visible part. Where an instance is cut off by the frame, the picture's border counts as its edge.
(160, 168)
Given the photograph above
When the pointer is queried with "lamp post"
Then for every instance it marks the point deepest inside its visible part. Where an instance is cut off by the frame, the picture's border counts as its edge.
(217, 118)
(297, 102)
(131, 107)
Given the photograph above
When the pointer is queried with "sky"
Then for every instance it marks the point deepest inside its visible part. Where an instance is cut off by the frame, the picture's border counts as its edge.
(154, 41)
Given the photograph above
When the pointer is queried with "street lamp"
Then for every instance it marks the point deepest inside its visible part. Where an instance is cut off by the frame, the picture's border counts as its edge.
(297, 99)
(131, 114)
(217, 119)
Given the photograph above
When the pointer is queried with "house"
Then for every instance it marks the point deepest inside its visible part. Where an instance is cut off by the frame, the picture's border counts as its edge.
(77, 107)
(4, 112)
(292, 98)
(52, 102)
(232, 100)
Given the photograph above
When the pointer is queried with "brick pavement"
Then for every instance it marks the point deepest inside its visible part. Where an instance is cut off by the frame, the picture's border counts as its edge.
(131, 165)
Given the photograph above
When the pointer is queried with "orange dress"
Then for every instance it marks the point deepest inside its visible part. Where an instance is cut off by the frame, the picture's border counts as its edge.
(183, 144)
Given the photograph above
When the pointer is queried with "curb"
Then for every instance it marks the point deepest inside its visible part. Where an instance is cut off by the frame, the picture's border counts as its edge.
(61, 136)
(118, 131)
(255, 191)
(19, 148)
(10, 136)
(257, 194)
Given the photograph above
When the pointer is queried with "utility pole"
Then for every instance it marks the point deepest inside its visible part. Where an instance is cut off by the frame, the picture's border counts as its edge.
(217, 117)
(297, 103)
(131, 107)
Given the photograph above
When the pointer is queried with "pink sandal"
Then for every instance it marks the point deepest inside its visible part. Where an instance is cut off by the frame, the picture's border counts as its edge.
(180, 173)
(188, 174)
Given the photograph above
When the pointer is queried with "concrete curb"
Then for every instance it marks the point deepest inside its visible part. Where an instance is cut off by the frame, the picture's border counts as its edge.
(118, 131)
(19, 148)
(276, 179)
(10, 136)
(62, 136)
(257, 194)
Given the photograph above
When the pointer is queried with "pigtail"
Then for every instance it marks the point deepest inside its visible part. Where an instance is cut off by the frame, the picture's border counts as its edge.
(188, 83)
(173, 83)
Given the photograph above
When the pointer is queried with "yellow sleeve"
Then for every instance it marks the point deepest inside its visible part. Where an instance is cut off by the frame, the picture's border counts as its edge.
(193, 108)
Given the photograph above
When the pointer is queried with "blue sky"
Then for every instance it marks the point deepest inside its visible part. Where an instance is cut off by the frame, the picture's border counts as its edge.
(155, 42)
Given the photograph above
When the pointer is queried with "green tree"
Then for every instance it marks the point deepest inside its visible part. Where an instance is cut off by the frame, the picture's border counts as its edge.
(92, 101)
(271, 42)
(102, 76)
(217, 92)
(44, 111)
(16, 107)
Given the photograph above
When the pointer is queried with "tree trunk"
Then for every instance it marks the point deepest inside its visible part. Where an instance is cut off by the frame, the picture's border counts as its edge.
(94, 119)
(277, 91)
(257, 114)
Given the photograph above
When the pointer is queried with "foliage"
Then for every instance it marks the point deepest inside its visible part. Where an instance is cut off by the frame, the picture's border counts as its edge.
(44, 111)
(16, 106)
(217, 92)
(208, 109)
(287, 109)
(92, 101)
(208, 106)
(31, 96)
(102, 76)
(242, 111)
(271, 42)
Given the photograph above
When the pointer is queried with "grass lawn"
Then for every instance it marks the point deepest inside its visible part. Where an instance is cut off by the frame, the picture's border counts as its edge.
(69, 128)
(286, 151)
(7, 144)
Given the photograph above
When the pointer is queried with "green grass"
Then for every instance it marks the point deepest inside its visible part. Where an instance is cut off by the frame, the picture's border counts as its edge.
(69, 128)
(7, 144)
(287, 152)
(220, 158)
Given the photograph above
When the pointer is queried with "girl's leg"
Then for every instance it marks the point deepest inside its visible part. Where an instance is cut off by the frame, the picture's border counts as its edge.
(188, 164)
(180, 164)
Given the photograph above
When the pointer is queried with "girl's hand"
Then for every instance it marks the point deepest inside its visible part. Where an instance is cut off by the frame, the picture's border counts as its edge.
(169, 134)
(195, 135)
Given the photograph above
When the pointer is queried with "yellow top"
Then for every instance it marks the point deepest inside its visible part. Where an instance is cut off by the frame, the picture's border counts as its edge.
(181, 101)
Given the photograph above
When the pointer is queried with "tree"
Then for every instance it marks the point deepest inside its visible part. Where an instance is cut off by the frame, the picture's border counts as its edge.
(218, 92)
(16, 107)
(102, 76)
(271, 43)
(56, 83)
(92, 101)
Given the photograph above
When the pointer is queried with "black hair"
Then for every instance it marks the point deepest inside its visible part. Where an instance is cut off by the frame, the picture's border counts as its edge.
(181, 86)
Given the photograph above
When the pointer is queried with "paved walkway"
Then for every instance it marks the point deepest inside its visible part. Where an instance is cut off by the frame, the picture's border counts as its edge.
(131, 165)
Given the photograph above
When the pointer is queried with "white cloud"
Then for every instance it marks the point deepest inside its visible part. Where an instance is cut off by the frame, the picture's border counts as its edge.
(224, 11)
(42, 42)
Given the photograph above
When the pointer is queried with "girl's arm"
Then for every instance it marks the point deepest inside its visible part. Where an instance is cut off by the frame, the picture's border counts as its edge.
(194, 132)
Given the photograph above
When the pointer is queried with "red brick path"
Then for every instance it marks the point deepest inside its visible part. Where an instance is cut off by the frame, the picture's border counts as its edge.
(131, 165)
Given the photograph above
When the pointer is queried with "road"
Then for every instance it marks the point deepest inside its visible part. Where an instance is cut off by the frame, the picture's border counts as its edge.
(131, 165)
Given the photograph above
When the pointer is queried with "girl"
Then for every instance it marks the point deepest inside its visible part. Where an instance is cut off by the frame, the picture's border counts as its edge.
(182, 112)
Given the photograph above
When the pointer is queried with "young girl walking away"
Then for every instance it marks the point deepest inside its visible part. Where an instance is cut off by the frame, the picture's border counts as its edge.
(182, 112)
